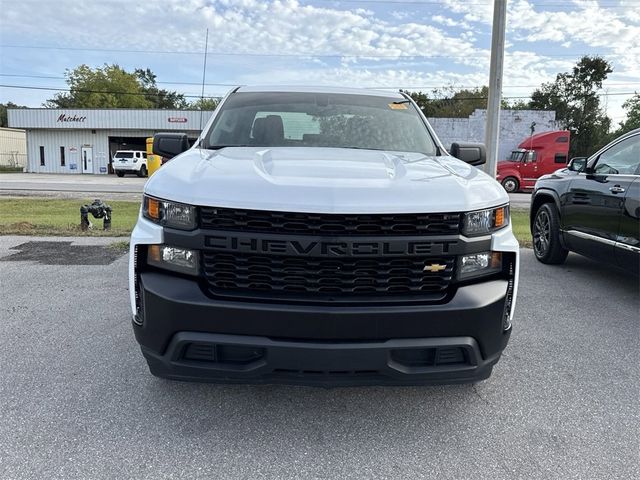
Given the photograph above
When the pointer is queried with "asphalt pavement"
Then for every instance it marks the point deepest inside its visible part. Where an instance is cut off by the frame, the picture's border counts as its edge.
(77, 401)
(128, 187)
(71, 183)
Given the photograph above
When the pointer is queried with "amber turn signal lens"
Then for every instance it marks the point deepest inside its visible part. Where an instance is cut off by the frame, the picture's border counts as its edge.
(153, 208)
(500, 217)
(496, 260)
(153, 253)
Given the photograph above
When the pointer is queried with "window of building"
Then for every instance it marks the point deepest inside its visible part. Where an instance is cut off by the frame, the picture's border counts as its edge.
(62, 159)
(561, 158)
(41, 156)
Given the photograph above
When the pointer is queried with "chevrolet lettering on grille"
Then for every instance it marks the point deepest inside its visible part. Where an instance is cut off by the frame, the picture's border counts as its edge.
(325, 248)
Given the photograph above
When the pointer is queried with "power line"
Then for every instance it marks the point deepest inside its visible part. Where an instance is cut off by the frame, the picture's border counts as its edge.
(450, 86)
(605, 3)
(33, 87)
(67, 90)
(417, 3)
(287, 55)
(57, 77)
(435, 2)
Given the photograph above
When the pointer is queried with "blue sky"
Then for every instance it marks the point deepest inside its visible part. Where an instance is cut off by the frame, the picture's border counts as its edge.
(416, 44)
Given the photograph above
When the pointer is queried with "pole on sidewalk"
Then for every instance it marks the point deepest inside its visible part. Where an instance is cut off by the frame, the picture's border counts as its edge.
(492, 130)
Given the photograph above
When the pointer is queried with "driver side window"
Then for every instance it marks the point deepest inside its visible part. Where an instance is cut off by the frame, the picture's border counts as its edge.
(623, 158)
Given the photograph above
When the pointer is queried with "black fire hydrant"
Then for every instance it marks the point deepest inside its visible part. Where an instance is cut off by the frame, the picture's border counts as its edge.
(98, 209)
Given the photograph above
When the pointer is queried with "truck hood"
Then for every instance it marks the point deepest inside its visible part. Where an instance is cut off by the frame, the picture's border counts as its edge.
(324, 180)
(507, 164)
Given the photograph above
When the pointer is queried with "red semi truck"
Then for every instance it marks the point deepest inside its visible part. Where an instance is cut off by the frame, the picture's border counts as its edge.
(537, 155)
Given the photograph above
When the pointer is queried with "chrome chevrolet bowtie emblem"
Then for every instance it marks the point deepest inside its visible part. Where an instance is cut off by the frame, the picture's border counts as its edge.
(434, 267)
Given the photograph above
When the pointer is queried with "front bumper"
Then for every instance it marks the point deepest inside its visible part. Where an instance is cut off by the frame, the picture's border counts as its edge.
(186, 335)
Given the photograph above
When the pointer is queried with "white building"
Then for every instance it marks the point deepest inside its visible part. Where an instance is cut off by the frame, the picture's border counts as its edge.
(85, 140)
(515, 126)
(13, 148)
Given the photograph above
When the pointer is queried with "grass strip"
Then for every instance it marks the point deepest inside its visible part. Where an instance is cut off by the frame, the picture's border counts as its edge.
(61, 217)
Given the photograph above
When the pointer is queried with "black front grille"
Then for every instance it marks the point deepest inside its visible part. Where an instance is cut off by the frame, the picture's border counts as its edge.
(231, 219)
(314, 278)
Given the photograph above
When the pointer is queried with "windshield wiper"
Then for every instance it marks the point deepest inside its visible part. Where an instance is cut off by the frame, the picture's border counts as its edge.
(359, 148)
(218, 147)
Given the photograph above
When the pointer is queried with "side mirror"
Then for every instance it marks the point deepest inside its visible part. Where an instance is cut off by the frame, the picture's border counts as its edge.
(169, 145)
(472, 153)
(577, 164)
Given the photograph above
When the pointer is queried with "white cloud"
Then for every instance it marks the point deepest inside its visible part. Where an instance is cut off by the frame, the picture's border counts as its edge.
(278, 26)
(587, 26)
(448, 22)
(449, 41)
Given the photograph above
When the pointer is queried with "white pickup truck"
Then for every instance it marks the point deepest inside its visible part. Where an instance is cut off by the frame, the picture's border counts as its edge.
(130, 161)
(322, 236)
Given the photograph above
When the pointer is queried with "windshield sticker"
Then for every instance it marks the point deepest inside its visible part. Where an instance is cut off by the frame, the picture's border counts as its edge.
(397, 106)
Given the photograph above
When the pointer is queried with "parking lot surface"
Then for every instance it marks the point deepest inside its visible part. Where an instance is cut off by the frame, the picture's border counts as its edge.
(126, 188)
(77, 401)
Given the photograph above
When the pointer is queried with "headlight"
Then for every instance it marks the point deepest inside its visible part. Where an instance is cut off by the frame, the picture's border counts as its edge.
(479, 264)
(181, 260)
(169, 214)
(484, 222)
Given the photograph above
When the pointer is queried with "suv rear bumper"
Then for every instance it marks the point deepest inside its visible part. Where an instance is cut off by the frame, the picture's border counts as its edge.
(125, 168)
(186, 335)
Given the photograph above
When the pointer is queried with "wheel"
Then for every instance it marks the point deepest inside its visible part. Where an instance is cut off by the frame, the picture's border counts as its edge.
(120, 173)
(511, 184)
(143, 171)
(546, 235)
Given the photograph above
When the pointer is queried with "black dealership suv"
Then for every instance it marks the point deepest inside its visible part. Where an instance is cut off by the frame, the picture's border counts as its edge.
(592, 207)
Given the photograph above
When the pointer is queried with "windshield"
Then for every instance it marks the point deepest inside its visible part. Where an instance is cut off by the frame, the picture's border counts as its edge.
(319, 120)
(124, 155)
(517, 156)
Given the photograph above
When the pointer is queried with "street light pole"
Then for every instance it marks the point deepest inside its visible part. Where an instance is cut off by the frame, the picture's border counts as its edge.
(204, 75)
(492, 130)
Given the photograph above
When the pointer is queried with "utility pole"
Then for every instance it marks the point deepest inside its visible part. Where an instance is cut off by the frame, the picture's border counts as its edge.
(204, 75)
(492, 129)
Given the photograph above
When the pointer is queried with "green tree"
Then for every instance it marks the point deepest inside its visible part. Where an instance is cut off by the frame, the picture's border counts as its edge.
(573, 96)
(632, 106)
(517, 104)
(110, 86)
(163, 99)
(206, 103)
(103, 87)
(421, 99)
(449, 102)
(3, 112)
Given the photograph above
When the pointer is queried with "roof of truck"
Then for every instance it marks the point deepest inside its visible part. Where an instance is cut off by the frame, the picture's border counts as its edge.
(544, 138)
(306, 89)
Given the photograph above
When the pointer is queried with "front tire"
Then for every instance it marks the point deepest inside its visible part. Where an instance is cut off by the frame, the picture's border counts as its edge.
(511, 184)
(546, 236)
(143, 171)
(119, 173)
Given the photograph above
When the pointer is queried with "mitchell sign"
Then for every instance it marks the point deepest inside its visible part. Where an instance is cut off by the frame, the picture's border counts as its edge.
(67, 118)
